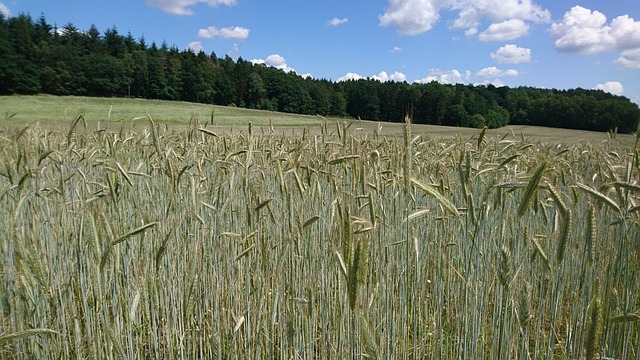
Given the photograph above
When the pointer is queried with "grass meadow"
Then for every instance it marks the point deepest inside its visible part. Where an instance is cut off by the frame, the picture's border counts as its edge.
(138, 240)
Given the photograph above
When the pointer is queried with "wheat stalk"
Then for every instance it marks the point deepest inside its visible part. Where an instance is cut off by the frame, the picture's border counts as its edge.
(407, 161)
(557, 199)
(504, 273)
(4, 338)
(591, 233)
(567, 224)
(430, 190)
(594, 329)
(530, 190)
(600, 196)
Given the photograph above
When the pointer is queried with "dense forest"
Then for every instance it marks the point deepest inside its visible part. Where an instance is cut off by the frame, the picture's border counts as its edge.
(36, 57)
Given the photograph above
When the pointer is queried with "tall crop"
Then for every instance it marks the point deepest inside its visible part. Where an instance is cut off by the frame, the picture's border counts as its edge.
(204, 243)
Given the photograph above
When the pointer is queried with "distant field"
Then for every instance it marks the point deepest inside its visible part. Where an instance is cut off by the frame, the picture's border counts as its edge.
(61, 111)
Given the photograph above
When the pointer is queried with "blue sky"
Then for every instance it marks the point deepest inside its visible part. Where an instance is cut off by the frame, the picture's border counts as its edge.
(551, 44)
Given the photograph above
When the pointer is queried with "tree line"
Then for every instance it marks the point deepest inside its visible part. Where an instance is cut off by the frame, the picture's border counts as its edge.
(36, 57)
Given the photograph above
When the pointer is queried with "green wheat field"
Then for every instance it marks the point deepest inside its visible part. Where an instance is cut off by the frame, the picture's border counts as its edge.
(138, 240)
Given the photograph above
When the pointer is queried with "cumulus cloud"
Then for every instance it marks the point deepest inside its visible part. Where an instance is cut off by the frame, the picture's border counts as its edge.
(471, 12)
(584, 31)
(626, 32)
(495, 82)
(213, 32)
(629, 59)
(278, 61)
(4, 10)
(396, 49)
(445, 77)
(350, 76)
(412, 17)
(494, 72)
(336, 22)
(506, 30)
(195, 46)
(275, 61)
(183, 7)
(511, 54)
(613, 87)
(382, 77)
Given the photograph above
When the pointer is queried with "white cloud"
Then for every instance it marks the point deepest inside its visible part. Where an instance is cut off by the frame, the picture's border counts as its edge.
(629, 59)
(183, 7)
(471, 32)
(412, 17)
(4, 10)
(506, 30)
(213, 32)
(445, 77)
(396, 49)
(398, 77)
(336, 22)
(494, 72)
(195, 46)
(471, 12)
(583, 31)
(275, 61)
(382, 77)
(511, 54)
(350, 76)
(494, 82)
(613, 87)
(626, 32)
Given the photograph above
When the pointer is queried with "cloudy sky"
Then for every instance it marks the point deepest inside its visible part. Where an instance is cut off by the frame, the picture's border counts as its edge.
(543, 43)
